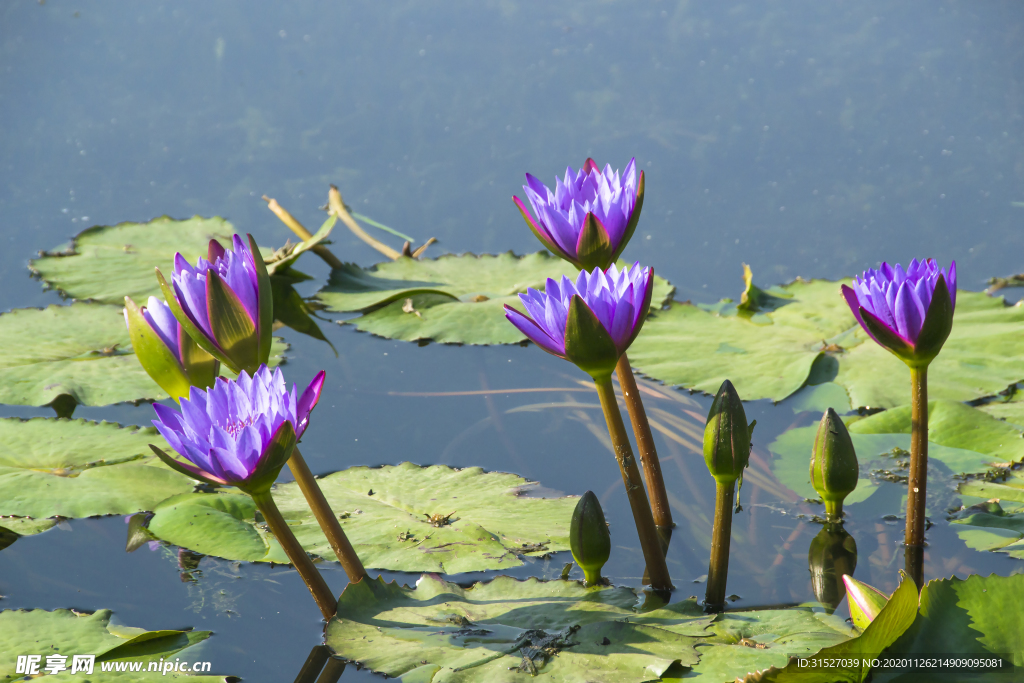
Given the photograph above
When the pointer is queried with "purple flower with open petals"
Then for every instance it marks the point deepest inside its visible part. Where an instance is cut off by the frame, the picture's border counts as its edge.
(590, 322)
(590, 216)
(240, 432)
(909, 312)
(225, 304)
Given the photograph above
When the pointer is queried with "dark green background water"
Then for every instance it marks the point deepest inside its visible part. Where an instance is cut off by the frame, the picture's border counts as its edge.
(803, 138)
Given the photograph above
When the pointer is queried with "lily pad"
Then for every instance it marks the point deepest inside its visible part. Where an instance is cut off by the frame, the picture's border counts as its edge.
(963, 439)
(68, 633)
(771, 353)
(450, 299)
(397, 518)
(440, 632)
(990, 526)
(107, 263)
(1010, 409)
(82, 350)
(75, 468)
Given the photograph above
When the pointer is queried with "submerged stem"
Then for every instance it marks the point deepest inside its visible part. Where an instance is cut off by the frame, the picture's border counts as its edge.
(326, 518)
(649, 542)
(918, 480)
(721, 535)
(645, 444)
(322, 594)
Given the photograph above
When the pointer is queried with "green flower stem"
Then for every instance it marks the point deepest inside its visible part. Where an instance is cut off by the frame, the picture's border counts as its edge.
(326, 518)
(592, 577)
(645, 444)
(834, 511)
(322, 594)
(648, 532)
(918, 481)
(721, 535)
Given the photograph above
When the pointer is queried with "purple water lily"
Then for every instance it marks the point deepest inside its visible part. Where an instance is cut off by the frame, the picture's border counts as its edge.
(909, 312)
(617, 303)
(159, 316)
(224, 303)
(240, 432)
(590, 216)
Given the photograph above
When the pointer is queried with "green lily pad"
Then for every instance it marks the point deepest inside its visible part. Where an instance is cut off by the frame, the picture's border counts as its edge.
(812, 337)
(493, 525)
(450, 299)
(439, 632)
(962, 438)
(82, 350)
(75, 468)
(68, 633)
(107, 263)
(1010, 409)
(988, 526)
(976, 617)
(26, 526)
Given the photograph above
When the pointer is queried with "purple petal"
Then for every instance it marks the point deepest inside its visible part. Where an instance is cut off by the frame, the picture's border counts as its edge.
(306, 403)
(908, 312)
(535, 333)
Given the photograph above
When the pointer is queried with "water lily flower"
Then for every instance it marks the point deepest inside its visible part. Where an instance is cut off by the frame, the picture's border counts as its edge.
(590, 322)
(834, 469)
(239, 432)
(909, 312)
(225, 303)
(590, 216)
(866, 602)
(166, 353)
(589, 538)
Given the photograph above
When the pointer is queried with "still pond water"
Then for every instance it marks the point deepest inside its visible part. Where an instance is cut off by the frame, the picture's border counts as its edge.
(803, 138)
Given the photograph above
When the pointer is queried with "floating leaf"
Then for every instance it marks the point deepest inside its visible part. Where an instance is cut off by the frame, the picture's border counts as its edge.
(107, 263)
(772, 353)
(416, 519)
(440, 632)
(69, 633)
(75, 468)
(26, 526)
(455, 299)
(962, 438)
(990, 526)
(1011, 409)
(82, 350)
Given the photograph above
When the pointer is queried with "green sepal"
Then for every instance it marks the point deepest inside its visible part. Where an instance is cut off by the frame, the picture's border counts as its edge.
(587, 343)
(232, 327)
(178, 467)
(276, 454)
(834, 469)
(264, 303)
(202, 368)
(727, 436)
(156, 358)
(634, 218)
(292, 310)
(938, 322)
(594, 245)
(204, 342)
(899, 346)
(589, 539)
(865, 601)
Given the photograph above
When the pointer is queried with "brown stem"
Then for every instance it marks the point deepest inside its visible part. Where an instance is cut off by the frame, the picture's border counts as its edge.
(721, 535)
(326, 518)
(300, 230)
(645, 444)
(918, 481)
(648, 533)
(337, 207)
(322, 594)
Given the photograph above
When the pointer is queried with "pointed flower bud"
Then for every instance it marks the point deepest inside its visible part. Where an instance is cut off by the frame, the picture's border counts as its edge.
(727, 436)
(225, 303)
(865, 602)
(166, 353)
(833, 554)
(589, 540)
(590, 216)
(834, 468)
(590, 322)
(240, 432)
(910, 312)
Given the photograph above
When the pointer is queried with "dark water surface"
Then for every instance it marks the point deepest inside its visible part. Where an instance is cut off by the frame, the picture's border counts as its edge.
(803, 138)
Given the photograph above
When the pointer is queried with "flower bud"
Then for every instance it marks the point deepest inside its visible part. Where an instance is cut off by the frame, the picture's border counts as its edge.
(834, 468)
(833, 554)
(727, 436)
(589, 539)
(865, 602)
